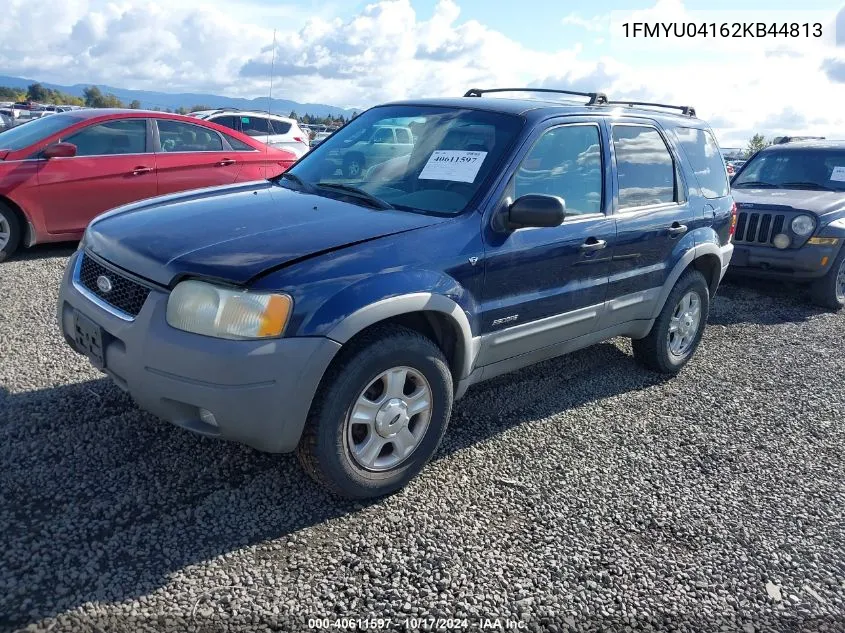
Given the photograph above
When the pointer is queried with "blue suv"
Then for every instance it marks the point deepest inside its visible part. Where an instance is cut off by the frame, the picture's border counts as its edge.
(341, 317)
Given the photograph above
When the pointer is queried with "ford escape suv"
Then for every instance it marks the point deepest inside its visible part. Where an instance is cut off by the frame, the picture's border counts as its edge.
(341, 317)
(791, 222)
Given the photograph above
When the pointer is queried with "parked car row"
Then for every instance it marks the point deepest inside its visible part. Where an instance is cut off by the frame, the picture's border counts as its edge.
(337, 305)
(271, 129)
(57, 173)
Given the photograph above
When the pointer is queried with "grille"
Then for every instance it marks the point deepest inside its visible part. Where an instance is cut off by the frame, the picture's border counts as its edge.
(759, 227)
(126, 295)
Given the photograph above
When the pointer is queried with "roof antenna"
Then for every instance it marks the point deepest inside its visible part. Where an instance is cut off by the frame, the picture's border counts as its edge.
(270, 95)
(272, 67)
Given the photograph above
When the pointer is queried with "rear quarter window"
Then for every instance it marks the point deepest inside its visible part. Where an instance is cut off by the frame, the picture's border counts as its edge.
(703, 153)
(279, 127)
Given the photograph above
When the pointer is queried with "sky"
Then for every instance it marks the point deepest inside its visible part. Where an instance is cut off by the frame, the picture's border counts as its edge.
(359, 54)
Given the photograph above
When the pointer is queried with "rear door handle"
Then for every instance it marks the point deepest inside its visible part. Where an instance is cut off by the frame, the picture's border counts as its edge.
(225, 162)
(676, 230)
(592, 244)
(141, 169)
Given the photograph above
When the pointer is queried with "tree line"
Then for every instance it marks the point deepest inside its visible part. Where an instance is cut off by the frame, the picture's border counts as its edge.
(93, 97)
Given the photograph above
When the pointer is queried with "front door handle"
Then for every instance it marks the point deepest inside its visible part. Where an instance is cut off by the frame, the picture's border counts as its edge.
(592, 244)
(225, 162)
(141, 169)
(676, 230)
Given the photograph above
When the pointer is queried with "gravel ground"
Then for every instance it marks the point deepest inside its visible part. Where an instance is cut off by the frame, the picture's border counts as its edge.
(581, 494)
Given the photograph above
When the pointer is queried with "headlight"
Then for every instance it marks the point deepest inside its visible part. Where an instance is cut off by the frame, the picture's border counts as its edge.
(803, 225)
(203, 308)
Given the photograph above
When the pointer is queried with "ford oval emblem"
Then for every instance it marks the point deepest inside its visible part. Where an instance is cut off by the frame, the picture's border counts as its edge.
(104, 284)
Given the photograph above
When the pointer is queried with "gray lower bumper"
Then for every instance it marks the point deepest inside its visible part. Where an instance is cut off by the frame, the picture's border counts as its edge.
(767, 262)
(259, 391)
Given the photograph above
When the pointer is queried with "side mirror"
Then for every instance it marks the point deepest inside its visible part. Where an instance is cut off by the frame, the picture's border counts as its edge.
(536, 210)
(60, 150)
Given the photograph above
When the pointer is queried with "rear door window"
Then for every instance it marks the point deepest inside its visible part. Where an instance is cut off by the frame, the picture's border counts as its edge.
(255, 126)
(228, 121)
(645, 168)
(703, 153)
(279, 127)
(176, 136)
(238, 145)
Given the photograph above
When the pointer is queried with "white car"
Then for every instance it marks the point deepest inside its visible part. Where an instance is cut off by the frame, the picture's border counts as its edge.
(272, 129)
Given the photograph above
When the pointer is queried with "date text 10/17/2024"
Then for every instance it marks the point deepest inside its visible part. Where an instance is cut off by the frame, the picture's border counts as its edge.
(417, 624)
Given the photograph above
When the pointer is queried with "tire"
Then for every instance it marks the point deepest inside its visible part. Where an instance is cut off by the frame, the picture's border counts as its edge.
(656, 351)
(353, 166)
(10, 232)
(332, 449)
(829, 291)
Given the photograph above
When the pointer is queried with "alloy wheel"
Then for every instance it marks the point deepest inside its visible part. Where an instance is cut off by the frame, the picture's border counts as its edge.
(5, 232)
(389, 419)
(683, 326)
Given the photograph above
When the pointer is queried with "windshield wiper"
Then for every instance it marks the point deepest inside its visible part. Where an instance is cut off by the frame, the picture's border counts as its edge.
(756, 183)
(807, 185)
(358, 193)
(306, 186)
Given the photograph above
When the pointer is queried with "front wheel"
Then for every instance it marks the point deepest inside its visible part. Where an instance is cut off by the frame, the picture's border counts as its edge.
(676, 333)
(379, 414)
(829, 291)
(10, 232)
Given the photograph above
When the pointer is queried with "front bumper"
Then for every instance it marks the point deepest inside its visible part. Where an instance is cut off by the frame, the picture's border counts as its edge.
(260, 392)
(767, 262)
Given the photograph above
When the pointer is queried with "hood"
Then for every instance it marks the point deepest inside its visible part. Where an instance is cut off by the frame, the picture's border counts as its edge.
(817, 202)
(235, 233)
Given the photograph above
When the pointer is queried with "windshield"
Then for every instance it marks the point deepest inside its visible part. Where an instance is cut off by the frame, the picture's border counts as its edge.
(811, 168)
(36, 130)
(417, 158)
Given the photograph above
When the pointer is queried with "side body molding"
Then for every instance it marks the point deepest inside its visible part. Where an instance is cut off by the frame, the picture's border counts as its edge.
(415, 302)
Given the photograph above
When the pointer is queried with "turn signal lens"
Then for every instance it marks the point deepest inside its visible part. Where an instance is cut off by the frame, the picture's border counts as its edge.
(823, 241)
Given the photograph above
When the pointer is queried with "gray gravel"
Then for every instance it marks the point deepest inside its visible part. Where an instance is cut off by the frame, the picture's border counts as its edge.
(581, 494)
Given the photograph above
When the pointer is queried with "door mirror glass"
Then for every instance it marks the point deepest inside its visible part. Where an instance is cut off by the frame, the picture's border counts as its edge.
(536, 210)
(60, 150)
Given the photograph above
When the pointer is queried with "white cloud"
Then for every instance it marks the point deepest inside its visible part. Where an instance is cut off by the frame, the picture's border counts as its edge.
(596, 23)
(386, 51)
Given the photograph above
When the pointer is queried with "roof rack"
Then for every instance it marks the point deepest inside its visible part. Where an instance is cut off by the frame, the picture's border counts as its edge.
(685, 110)
(596, 98)
(780, 140)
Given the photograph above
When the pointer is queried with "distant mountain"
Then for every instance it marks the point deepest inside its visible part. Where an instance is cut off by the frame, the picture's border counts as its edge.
(150, 99)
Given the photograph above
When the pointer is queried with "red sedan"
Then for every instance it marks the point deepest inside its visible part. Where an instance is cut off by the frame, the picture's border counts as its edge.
(58, 172)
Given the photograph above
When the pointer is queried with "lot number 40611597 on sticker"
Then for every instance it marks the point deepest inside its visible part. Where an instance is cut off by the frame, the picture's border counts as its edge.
(451, 164)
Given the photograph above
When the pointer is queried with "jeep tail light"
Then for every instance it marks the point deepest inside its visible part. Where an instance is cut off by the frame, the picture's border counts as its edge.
(298, 139)
(732, 230)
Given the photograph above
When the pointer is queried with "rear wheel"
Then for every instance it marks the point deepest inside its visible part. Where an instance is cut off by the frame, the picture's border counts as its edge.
(676, 333)
(379, 414)
(10, 232)
(829, 291)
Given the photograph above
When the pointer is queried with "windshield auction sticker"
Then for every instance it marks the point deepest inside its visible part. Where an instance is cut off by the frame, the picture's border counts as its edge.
(838, 174)
(452, 164)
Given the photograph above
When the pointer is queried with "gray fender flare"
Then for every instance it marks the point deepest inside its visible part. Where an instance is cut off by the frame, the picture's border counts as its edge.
(689, 257)
(404, 304)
